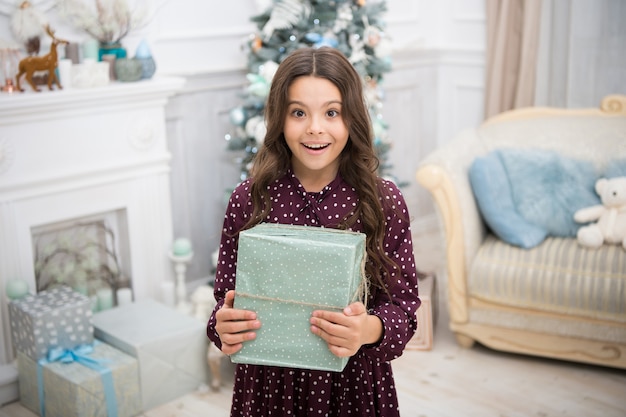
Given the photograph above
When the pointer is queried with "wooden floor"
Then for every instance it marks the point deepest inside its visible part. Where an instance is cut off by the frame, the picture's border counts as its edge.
(450, 381)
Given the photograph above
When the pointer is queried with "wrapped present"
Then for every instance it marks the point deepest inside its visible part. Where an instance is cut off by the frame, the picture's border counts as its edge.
(284, 273)
(95, 380)
(55, 318)
(171, 347)
(426, 315)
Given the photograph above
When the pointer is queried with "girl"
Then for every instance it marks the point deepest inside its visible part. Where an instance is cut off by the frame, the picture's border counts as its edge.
(317, 167)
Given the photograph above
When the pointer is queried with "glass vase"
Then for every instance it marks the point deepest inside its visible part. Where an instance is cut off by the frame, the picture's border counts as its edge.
(111, 48)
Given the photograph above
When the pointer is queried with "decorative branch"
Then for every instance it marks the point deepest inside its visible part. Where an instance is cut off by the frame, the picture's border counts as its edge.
(106, 21)
(80, 252)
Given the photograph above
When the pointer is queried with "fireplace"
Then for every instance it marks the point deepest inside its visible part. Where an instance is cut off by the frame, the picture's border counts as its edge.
(90, 254)
(88, 166)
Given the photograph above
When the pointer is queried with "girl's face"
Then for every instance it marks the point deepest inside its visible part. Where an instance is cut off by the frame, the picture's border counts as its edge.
(315, 130)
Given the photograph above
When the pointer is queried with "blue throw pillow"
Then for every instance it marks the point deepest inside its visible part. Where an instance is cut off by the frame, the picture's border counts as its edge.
(615, 168)
(548, 188)
(492, 191)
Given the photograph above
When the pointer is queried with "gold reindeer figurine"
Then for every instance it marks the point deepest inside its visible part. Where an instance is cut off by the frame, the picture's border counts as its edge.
(47, 62)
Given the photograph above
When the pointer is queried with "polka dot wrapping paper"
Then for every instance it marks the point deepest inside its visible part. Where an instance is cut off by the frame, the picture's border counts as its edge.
(59, 317)
(284, 273)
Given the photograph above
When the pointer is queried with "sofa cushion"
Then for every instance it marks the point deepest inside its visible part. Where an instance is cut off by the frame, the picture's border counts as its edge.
(526, 194)
(493, 195)
(615, 168)
(558, 276)
(548, 188)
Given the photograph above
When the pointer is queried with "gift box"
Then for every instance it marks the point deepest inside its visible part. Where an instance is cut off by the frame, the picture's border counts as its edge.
(171, 347)
(75, 388)
(284, 273)
(426, 314)
(55, 318)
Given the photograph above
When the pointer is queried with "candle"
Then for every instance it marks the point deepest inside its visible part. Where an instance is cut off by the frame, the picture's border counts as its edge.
(16, 289)
(110, 58)
(94, 303)
(105, 299)
(181, 247)
(124, 296)
(167, 293)
(81, 288)
(90, 49)
(71, 52)
(65, 72)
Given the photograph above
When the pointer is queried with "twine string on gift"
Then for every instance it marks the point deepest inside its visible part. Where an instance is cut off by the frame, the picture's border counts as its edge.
(80, 355)
(361, 294)
(285, 301)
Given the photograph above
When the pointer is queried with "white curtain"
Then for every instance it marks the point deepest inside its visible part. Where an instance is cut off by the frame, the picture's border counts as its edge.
(582, 52)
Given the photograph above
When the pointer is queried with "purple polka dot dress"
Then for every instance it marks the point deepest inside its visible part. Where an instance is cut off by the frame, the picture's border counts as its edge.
(366, 385)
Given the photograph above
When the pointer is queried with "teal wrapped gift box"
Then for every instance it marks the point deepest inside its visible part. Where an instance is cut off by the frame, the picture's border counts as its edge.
(284, 273)
(169, 345)
(76, 390)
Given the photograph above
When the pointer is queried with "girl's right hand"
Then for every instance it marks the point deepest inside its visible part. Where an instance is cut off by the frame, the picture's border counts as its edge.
(234, 326)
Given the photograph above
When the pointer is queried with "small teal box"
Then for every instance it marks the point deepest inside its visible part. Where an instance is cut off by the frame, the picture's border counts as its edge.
(284, 273)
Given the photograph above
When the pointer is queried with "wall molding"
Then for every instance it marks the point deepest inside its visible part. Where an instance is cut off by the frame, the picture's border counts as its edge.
(235, 32)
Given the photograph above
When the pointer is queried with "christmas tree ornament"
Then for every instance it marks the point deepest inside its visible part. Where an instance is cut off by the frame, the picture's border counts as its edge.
(238, 116)
(284, 15)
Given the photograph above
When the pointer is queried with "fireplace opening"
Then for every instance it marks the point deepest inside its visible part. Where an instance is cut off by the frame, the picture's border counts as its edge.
(90, 254)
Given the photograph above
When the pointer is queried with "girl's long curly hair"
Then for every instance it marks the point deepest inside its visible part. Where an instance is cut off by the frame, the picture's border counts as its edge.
(358, 161)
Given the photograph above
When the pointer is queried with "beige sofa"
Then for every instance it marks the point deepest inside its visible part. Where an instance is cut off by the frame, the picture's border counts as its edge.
(557, 299)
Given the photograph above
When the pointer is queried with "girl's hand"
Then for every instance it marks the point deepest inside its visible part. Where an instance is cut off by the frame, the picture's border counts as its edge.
(234, 326)
(346, 331)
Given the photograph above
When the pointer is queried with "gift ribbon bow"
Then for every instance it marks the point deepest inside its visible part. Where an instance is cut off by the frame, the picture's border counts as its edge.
(79, 354)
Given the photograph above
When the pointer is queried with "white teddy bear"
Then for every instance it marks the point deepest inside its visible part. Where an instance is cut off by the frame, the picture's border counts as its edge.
(609, 217)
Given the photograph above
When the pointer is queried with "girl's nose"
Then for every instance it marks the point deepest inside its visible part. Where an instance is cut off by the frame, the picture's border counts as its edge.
(315, 127)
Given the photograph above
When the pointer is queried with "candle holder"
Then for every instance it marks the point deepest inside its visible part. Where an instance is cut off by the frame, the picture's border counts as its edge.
(180, 267)
(9, 87)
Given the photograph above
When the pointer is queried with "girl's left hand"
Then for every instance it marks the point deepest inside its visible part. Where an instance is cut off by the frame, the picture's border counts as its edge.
(346, 331)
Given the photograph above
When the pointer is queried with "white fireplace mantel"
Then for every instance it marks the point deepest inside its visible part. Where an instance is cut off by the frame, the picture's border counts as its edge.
(82, 152)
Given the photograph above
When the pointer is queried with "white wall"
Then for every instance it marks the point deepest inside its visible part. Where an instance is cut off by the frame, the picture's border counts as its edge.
(434, 90)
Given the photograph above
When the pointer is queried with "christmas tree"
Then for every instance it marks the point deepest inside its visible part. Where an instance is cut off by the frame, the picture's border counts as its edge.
(354, 27)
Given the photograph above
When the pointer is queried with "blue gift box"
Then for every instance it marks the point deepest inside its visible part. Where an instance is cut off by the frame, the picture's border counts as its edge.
(55, 318)
(74, 389)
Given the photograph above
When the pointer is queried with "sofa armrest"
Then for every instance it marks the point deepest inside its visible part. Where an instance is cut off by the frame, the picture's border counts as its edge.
(444, 173)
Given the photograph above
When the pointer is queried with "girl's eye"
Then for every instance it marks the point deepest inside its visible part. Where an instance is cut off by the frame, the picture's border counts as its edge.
(332, 113)
(298, 113)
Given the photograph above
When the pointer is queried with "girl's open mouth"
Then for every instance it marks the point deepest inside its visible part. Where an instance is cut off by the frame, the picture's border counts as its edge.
(316, 146)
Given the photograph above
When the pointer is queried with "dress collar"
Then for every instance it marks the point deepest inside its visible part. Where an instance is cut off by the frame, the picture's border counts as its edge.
(319, 195)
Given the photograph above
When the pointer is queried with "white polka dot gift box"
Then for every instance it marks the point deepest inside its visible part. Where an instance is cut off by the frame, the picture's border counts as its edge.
(284, 273)
(55, 318)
